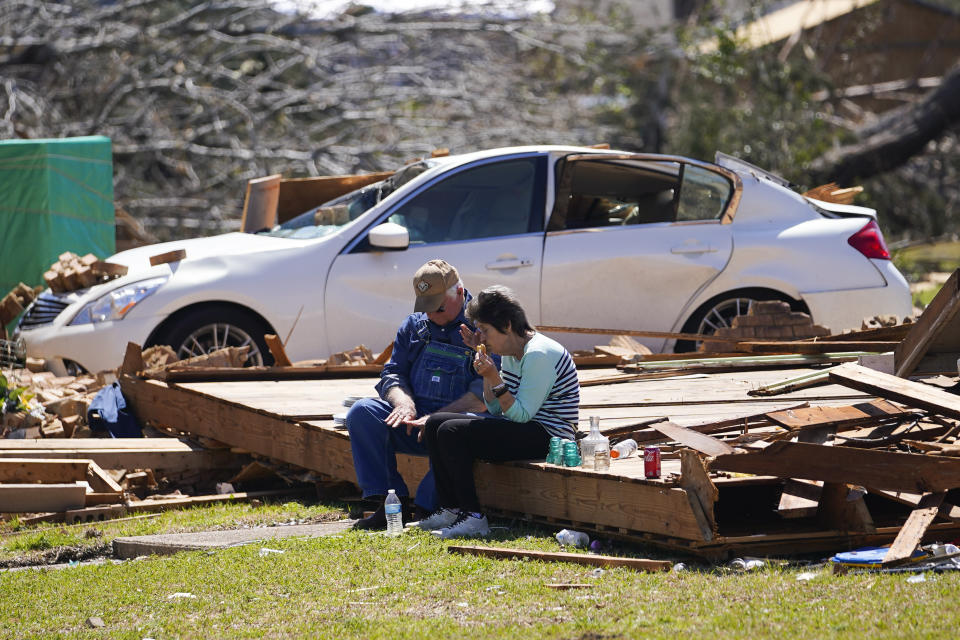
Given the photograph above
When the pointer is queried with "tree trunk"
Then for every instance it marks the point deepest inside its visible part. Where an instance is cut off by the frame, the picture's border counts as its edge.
(893, 140)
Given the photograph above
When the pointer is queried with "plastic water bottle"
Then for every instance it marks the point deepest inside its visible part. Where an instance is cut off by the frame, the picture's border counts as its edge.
(569, 538)
(392, 508)
(624, 449)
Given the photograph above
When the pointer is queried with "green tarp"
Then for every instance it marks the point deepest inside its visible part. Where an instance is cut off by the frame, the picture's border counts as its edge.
(55, 196)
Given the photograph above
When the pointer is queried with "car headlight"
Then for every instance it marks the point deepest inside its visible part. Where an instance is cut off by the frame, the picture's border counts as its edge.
(116, 304)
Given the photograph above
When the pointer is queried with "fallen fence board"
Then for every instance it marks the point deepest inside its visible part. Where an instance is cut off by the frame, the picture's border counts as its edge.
(881, 469)
(913, 394)
(639, 564)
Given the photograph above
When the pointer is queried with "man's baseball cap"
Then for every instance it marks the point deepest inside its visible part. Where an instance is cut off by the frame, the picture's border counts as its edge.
(431, 283)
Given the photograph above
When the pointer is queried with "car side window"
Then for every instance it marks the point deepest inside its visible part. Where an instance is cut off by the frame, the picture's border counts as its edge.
(495, 199)
(606, 193)
(704, 195)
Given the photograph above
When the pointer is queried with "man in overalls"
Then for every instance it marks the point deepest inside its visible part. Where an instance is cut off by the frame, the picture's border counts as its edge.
(430, 370)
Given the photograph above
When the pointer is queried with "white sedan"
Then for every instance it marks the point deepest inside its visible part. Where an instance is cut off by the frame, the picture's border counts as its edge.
(586, 237)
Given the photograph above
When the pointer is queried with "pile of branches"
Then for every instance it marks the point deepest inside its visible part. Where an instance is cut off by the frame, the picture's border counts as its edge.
(198, 98)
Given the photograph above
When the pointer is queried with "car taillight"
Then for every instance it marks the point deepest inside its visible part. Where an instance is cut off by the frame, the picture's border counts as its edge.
(869, 242)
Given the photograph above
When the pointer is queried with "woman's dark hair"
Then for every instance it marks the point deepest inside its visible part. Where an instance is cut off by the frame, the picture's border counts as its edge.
(498, 307)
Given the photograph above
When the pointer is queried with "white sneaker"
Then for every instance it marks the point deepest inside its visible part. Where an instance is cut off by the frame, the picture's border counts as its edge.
(438, 519)
(466, 525)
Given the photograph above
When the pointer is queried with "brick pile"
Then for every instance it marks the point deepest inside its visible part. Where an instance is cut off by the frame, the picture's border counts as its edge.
(767, 320)
(71, 272)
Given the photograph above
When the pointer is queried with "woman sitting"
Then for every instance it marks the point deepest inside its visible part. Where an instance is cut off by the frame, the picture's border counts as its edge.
(536, 395)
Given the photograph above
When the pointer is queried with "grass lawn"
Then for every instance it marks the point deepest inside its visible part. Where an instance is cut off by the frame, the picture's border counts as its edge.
(360, 585)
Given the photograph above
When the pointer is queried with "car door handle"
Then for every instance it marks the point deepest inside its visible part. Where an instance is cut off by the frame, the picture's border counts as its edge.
(695, 249)
(509, 264)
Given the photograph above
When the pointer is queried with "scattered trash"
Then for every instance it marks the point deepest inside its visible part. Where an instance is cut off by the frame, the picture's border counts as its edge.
(920, 577)
(570, 538)
(264, 551)
(596, 573)
(746, 564)
(806, 575)
(181, 594)
(225, 487)
(677, 568)
(95, 622)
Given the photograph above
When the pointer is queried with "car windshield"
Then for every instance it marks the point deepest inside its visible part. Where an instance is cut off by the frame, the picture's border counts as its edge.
(326, 218)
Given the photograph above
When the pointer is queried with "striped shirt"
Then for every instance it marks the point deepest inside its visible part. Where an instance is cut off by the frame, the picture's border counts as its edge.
(544, 385)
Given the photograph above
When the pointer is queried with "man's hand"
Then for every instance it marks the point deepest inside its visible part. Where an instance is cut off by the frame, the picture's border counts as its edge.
(470, 337)
(403, 410)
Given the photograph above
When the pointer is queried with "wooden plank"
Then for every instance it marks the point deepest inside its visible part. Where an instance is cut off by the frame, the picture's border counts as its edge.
(947, 511)
(839, 418)
(193, 501)
(795, 346)
(100, 481)
(29, 498)
(800, 499)
(914, 528)
(865, 467)
(44, 470)
(912, 394)
(279, 354)
(937, 329)
(260, 203)
(693, 439)
(169, 256)
(842, 508)
(253, 374)
(638, 564)
(897, 333)
(700, 489)
(640, 334)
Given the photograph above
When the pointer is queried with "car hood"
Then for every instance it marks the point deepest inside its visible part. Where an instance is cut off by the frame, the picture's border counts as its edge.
(198, 248)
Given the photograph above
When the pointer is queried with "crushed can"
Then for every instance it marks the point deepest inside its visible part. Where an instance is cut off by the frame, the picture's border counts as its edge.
(651, 462)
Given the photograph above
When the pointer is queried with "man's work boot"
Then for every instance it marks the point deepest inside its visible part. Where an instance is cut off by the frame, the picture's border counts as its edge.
(377, 521)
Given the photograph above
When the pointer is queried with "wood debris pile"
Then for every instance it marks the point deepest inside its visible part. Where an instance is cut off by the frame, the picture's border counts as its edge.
(13, 304)
(71, 272)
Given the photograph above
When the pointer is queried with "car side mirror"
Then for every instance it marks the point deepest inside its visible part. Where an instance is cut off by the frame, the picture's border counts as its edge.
(389, 235)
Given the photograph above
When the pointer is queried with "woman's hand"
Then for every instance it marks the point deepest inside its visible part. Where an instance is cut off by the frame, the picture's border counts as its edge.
(484, 365)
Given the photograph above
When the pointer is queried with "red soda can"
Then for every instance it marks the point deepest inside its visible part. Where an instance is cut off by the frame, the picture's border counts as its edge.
(651, 462)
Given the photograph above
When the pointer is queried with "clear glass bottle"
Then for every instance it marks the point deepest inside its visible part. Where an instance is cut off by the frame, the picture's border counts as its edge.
(594, 441)
(393, 510)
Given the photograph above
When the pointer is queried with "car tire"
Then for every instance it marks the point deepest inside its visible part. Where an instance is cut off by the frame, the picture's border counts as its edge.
(201, 331)
(720, 312)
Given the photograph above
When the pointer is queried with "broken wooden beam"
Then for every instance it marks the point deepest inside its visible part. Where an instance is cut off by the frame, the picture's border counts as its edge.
(936, 330)
(914, 528)
(797, 346)
(912, 394)
(638, 564)
(694, 439)
(882, 469)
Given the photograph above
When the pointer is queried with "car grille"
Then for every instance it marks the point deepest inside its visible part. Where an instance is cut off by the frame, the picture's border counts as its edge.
(43, 310)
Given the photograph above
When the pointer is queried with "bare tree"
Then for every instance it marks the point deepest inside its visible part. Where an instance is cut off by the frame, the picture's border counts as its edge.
(198, 98)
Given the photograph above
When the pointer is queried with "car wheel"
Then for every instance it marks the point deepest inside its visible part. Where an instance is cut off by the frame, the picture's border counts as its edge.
(720, 312)
(205, 330)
